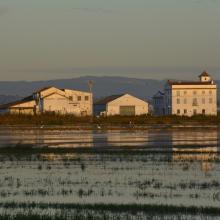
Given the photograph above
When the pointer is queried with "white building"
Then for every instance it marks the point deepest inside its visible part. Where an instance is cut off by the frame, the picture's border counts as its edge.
(51, 99)
(191, 98)
(124, 104)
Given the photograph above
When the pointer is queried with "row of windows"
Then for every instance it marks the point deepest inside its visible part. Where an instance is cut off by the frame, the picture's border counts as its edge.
(79, 98)
(194, 111)
(194, 101)
(195, 92)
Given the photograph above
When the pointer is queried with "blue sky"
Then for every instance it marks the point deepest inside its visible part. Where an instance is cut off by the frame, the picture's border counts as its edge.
(48, 39)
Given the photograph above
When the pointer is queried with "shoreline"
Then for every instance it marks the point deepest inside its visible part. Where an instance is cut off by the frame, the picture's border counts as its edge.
(112, 122)
(99, 128)
(113, 127)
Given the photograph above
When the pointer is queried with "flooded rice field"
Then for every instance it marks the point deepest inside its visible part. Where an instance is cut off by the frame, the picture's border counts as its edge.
(65, 173)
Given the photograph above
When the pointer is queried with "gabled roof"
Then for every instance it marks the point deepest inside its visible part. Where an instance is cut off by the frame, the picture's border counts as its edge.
(158, 94)
(108, 99)
(188, 83)
(75, 90)
(30, 98)
(44, 89)
(62, 90)
(63, 95)
(8, 105)
(204, 73)
(111, 98)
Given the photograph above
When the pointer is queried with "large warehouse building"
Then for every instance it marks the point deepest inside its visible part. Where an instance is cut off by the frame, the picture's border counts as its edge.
(51, 99)
(125, 105)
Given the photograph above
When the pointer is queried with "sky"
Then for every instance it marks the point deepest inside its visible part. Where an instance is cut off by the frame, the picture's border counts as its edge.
(157, 39)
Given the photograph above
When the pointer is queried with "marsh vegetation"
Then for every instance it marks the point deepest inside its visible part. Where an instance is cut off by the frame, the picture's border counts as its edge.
(69, 119)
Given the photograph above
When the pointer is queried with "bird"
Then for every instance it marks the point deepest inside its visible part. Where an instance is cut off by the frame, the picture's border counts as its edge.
(99, 127)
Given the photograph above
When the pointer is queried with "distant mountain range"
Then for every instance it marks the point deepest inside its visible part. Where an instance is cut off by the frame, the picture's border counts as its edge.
(8, 98)
(103, 86)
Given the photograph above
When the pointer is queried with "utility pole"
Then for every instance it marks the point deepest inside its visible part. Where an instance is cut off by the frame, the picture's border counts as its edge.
(91, 84)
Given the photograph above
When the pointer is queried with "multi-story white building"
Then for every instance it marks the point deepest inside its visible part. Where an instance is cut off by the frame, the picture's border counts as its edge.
(191, 98)
(51, 99)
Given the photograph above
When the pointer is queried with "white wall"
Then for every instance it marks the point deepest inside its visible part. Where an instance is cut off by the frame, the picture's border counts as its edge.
(113, 107)
(23, 108)
(59, 101)
(68, 103)
(183, 98)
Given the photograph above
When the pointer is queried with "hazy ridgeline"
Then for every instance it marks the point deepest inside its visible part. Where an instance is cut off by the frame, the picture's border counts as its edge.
(103, 86)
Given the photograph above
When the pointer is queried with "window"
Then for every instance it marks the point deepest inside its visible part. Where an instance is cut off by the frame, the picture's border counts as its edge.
(185, 111)
(70, 98)
(194, 92)
(210, 101)
(203, 101)
(185, 92)
(79, 98)
(178, 111)
(185, 101)
(195, 103)
(203, 111)
(87, 98)
(210, 92)
(203, 92)
(178, 101)
(178, 93)
(194, 111)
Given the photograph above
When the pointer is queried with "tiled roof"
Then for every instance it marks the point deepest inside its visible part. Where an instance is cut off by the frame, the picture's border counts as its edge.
(8, 105)
(204, 73)
(188, 83)
(107, 99)
(43, 89)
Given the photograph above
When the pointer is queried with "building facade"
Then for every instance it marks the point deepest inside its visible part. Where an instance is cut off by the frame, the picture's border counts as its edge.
(51, 99)
(158, 104)
(124, 105)
(191, 98)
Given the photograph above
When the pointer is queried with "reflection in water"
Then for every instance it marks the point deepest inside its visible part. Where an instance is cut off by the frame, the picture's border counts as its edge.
(201, 137)
(206, 156)
(184, 145)
(55, 157)
(45, 137)
(89, 138)
(124, 138)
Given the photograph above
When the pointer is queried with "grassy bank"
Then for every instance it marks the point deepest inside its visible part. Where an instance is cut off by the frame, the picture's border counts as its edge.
(154, 120)
(43, 119)
(55, 119)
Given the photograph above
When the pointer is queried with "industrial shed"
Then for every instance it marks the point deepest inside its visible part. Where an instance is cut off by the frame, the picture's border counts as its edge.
(51, 99)
(124, 105)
